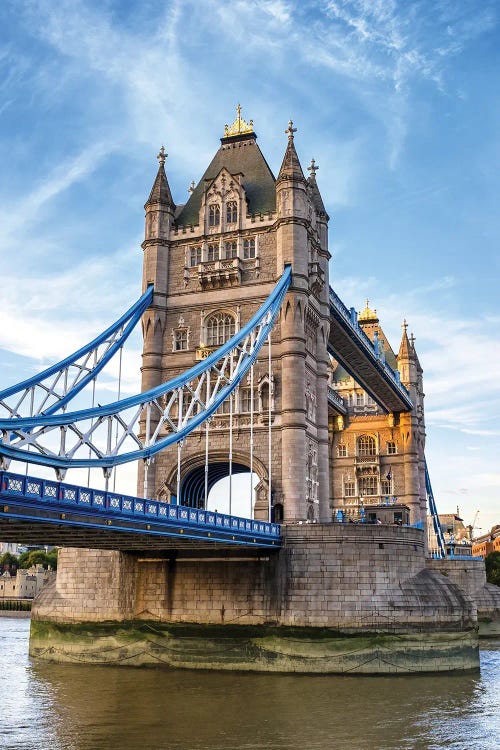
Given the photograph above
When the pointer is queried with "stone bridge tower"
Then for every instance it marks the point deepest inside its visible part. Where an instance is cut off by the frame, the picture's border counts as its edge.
(213, 262)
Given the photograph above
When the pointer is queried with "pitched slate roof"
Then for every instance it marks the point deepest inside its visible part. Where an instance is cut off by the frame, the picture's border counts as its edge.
(239, 155)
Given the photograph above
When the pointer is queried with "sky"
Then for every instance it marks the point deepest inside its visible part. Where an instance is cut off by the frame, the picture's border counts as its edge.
(397, 102)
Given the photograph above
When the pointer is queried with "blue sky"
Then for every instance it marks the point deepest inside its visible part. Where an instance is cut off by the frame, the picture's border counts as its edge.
(397, 102)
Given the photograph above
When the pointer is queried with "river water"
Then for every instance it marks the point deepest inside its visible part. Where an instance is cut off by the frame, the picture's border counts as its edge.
(66, 707)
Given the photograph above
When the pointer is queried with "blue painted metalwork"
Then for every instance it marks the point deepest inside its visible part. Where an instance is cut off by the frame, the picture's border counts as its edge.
(82, 425)
(350, 324)
(434, 514)
(115, 336)
(39, 494)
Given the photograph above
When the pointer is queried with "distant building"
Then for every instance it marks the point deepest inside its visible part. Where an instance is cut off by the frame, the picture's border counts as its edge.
(26, 584)
(487, 543)
(456, 535)
(11, 547)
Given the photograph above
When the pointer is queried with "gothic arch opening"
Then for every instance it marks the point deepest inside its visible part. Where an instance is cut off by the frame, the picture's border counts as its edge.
(246, 488)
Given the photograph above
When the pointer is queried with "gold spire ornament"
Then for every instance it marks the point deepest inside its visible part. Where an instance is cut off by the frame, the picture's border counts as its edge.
(239, 126)
(368, 314)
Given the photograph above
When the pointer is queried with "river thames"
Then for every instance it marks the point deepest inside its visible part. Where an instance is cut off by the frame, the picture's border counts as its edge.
(65, 707)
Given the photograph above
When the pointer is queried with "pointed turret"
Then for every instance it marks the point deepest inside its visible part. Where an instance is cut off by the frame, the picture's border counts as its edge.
(160, 192)
(407, 361)
(405, 349)
(417, 361)
(313, 191)
(159, 219)
(290, 167)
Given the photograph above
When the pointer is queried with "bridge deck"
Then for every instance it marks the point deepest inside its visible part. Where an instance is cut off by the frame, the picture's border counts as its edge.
(355, 352)
(41, 511)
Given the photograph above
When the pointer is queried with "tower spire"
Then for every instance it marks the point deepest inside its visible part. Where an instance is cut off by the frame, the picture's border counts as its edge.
(160, 192)
(290, 168)
(405, 349)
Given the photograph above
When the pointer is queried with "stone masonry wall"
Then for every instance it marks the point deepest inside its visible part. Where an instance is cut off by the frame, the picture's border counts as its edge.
(349, 577)
(91, 586)
(470, 576)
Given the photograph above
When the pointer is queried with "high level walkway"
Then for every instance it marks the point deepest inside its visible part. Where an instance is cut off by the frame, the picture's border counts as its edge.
(359, 357)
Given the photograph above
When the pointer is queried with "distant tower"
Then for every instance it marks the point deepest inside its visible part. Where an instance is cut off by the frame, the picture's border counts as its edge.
(378, 458)
(213, 261)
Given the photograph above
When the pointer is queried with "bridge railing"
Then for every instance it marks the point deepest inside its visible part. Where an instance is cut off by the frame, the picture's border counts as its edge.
(365, 341)
(336, 400)
(84, 499)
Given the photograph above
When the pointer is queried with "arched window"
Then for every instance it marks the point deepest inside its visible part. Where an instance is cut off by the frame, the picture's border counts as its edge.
(214, 215)
(231, 212)
(367, 446)
(220, 326)
(278, 513)
(264, 398)
(342, 450)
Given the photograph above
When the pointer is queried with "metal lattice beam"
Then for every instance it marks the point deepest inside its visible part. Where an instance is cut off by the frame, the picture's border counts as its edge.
(51, 390)
(140, 426)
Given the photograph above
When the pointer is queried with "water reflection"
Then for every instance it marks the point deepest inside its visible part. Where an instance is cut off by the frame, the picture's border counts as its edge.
(67, 707)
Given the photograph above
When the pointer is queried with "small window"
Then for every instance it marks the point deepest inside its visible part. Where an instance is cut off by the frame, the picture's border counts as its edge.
(368, 486)
(391, 448)
(386, 487)
(225, 407)
(360, 399)
(349, 489)
(213, 252)
(214, 215)
(231, 212)
(342, 450)
(246, 400)
(194, 256)
(231, 249)
(180, 340)
(249, 248)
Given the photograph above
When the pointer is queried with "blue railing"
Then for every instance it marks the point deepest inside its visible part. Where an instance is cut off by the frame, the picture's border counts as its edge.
(439, 556)
(351, 319)
(49, 492)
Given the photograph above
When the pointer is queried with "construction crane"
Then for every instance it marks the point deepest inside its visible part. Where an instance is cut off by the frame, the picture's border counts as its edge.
(472, 527)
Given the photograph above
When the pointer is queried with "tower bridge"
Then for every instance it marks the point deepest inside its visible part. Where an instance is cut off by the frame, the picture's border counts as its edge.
(251, 364)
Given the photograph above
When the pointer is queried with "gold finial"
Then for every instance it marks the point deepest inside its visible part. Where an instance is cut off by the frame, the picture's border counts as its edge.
(368, 314)
(239, 126)
(162, 156)
(290, 130)
(313, 168)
